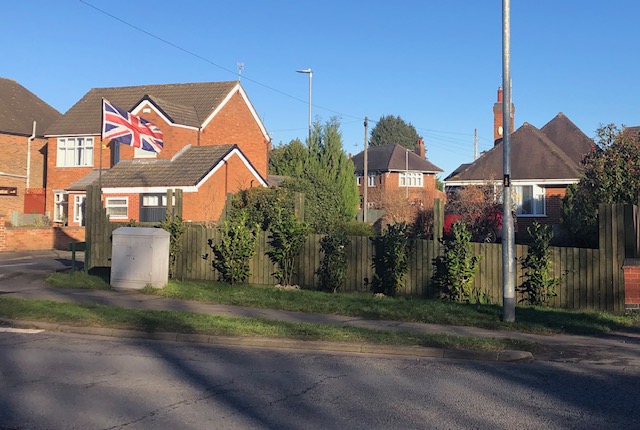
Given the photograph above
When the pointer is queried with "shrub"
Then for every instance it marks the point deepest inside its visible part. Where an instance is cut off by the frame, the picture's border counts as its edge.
(391, 259)
(333, 268)
(455, 270)
(287, 238)
(175, 227)
(261, 204)
(236, 248)
(356, 228)
(539, 287)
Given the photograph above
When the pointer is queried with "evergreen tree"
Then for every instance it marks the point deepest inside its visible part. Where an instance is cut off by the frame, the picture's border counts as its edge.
(394, 130)
(323, 172)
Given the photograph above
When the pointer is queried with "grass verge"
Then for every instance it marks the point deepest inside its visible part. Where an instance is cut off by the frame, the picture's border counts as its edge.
(185, 322)
(528, 319)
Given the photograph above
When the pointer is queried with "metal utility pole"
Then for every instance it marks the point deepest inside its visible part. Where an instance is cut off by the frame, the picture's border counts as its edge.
(365, 175)
(310, 73)
(475, 144)
(508, 238)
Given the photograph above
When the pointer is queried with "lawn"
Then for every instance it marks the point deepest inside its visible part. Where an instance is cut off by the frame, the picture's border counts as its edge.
(528, 319)
(185, 322)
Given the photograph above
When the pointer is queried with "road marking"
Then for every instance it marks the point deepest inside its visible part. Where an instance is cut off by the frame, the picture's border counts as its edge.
(20, 330)
(19, 264)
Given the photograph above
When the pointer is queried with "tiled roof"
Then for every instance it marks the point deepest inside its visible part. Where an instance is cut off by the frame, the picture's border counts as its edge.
(187, 168)
(88, 179)
(568, 137)
(533, 157)
(186, 104)
(19, 107)
(386, 158)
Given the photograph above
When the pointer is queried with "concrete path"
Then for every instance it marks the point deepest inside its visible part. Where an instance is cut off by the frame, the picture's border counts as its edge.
(615, 348)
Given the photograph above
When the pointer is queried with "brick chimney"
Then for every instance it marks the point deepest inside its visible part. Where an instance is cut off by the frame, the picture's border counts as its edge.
(497, 117)
(420, 149)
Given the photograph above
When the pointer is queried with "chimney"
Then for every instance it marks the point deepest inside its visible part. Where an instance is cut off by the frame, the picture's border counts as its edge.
(497, 118)
(420, 149)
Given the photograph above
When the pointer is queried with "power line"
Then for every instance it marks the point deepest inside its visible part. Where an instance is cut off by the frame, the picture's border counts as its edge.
(235, 72)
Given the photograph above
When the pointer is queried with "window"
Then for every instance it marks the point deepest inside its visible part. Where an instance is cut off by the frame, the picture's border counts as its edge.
(359, 180)
(78, 208)
(60, 206)
(75, 152)
(150, 200)
(141, 153)
(411, 179)
(372, 180)
(530, 200)
(117, 207)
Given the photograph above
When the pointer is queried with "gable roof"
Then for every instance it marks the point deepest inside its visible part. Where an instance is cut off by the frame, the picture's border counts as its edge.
(535, 155)
(19, 107)
(568, 137)
(392, 158)
(187, 169)
(186, 104)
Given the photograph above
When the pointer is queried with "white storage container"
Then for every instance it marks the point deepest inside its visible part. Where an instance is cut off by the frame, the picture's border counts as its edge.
(139, 257)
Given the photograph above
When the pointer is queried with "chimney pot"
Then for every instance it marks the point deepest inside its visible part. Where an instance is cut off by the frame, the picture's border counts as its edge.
(500, 94)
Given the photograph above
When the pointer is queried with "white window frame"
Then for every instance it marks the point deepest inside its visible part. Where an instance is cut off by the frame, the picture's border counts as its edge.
(359, 180)
(108, 206)
(141, 153)
(78, 200)
(411, 179)
(60, 204)
(75, 151)
(372, 180)
(538, 200)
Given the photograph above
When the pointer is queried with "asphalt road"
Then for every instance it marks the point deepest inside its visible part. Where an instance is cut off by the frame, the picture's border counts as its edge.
(59, 381)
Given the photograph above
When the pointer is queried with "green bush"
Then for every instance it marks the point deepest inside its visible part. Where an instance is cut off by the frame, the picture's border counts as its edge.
(261, 204)
(236, 248)
(175, 227)
(333, 268)
(539, 287)
(356, 228)
(455, 270)
(391, 259)
(287, 238)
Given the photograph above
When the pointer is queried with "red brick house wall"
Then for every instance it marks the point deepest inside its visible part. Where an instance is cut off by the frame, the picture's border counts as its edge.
(13, 160)
(553, 203)
(389, 182)
(236, 125)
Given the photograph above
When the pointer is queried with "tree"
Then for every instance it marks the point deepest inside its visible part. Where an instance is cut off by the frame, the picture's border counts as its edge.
(323, 172)
(611, 176)
(394, 130)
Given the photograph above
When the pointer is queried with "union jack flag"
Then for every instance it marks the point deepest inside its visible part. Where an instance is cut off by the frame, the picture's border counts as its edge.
(127, 128)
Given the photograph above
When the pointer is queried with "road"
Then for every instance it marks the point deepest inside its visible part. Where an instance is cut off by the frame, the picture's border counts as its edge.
(61, 381)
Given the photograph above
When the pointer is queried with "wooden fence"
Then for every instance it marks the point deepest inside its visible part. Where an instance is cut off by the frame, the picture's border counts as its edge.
(590, 278)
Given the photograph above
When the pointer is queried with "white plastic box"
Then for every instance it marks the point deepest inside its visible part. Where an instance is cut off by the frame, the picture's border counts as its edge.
(139, 257)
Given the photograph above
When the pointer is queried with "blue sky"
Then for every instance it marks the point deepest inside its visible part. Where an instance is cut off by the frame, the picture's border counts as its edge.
(436, 64)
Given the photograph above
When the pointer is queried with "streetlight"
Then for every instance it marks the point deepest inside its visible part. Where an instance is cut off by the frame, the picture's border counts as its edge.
(310, 73)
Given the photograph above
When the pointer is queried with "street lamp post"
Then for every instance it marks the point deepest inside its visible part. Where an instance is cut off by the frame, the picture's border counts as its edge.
(310, 73)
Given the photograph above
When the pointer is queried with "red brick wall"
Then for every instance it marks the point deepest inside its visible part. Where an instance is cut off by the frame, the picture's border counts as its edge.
(207, 204)
(38, 238)
(553, 197)
(13, 160)
(235, 124)
(391, 183)
(59, 178)
(631, 270)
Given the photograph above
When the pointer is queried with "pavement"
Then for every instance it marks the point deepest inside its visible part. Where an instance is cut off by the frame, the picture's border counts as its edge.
(21, 280)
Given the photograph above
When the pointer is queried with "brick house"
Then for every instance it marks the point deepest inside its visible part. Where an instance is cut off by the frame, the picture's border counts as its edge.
(191, 116)
(23, 119)
(396, 170)
(543, 163)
